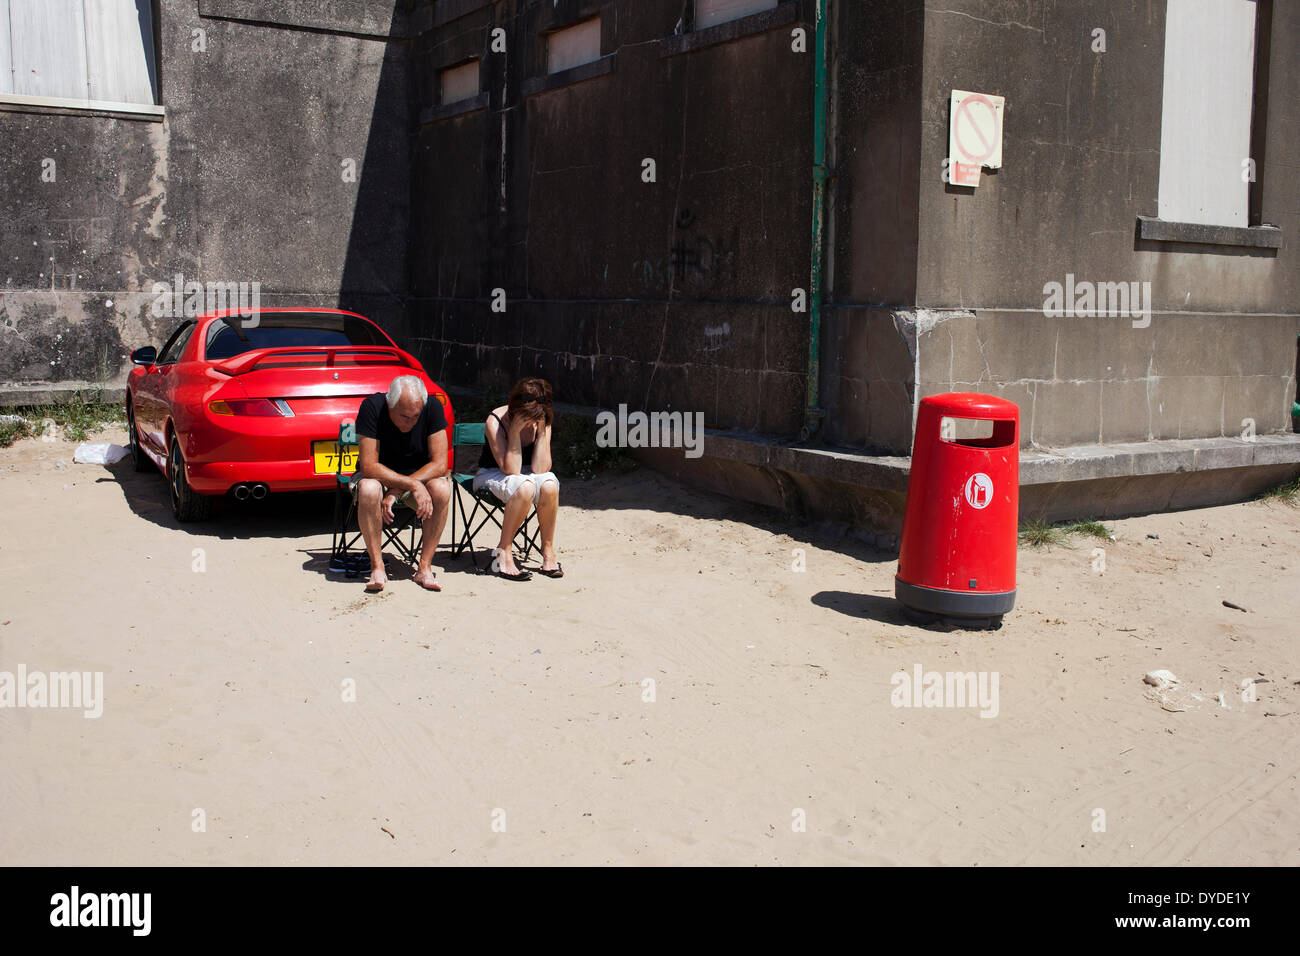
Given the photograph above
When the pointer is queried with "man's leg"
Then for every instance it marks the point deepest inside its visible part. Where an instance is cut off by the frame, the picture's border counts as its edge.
(370, 494)
(517, 508)
(440, 493)
(548, 507)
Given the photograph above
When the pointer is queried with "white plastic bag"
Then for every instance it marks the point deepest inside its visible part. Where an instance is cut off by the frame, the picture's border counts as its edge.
(87, 454)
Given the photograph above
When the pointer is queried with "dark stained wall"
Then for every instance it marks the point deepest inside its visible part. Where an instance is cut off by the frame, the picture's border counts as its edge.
(671, 294)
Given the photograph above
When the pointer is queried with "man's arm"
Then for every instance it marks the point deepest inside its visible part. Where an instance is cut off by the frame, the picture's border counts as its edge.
(369, 466)
(437, 465)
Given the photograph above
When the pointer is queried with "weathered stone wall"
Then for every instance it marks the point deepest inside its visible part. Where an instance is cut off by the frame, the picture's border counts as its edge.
(242, 182)
(1081, 162)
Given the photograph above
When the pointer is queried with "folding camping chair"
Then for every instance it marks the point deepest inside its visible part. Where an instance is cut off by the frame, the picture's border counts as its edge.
(342, 556)
(484, 501)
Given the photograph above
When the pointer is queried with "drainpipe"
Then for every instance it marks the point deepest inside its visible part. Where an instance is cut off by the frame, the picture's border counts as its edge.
(813, 412)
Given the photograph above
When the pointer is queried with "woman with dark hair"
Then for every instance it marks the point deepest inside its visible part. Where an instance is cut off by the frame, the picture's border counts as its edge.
(516, 467)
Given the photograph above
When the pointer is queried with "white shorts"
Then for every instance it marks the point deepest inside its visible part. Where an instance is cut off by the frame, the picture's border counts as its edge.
(504, 486)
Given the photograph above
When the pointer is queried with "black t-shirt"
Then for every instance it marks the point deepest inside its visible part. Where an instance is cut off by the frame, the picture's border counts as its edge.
(404, 452)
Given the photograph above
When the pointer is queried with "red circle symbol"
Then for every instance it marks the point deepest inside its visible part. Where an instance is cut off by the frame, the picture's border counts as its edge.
(964, 109)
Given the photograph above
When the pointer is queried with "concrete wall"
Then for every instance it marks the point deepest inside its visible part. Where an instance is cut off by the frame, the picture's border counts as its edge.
(671, 294)
(1082, 138)
(242, 182)
(868, 367)
(675, 293)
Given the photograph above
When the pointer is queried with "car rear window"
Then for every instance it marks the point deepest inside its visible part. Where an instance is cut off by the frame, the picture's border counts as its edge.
(228, 338)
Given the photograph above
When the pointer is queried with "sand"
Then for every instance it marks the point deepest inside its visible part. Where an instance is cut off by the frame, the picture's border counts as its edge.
(506, 723)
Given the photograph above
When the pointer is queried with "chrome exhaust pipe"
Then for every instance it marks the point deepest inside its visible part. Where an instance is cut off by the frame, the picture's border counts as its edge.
(241, 492)
(259, 491)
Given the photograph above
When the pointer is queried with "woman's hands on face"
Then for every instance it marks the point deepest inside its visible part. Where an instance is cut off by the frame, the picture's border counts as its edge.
(520, 427)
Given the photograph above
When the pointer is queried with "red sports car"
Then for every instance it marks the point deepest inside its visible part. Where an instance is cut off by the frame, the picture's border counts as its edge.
(252, 404)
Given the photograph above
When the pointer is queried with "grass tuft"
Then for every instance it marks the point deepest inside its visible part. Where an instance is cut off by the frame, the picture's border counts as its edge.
(77, 417)
(1287, 493)
(10, 432)
(1037, 533)
(1090, 529)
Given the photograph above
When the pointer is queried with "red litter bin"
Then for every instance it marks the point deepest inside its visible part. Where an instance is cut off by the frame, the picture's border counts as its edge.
(957, 557)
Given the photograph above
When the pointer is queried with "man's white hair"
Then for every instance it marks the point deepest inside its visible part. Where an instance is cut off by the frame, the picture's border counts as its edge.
(407, 383)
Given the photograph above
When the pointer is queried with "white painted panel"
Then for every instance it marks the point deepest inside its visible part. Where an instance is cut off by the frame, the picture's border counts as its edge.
(48, 47)
(119, 50)
(459, 83)
(709, 13)
(6, 64)
(573, 46)
(1205, 123)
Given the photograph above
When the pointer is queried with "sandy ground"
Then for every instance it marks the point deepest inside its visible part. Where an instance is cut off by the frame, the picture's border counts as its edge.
(504, 723)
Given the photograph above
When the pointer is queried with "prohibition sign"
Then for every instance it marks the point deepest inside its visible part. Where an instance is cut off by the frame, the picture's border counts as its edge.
(970, 131)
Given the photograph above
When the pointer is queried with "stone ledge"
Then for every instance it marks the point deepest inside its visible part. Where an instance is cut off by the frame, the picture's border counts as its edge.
(1162, 230)
(472, 104)
(574, 74)
(1037, 467)
(887, 472)
(20, 394)
(1085, 462)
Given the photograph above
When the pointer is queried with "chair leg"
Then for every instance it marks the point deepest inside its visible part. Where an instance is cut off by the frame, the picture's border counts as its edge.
(487, 515)
(459, 546)
(343, 541)
(339, 539)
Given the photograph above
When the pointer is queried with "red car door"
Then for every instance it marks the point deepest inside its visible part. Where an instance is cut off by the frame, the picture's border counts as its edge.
(152, 394)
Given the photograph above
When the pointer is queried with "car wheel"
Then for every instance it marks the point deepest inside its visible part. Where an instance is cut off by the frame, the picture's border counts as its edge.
(138, 458)
(187, 504)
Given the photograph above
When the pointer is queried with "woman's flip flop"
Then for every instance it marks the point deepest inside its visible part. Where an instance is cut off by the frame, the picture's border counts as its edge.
(555, 572)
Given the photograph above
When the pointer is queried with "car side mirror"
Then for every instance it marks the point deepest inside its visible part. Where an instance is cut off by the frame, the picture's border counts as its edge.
(145, 356)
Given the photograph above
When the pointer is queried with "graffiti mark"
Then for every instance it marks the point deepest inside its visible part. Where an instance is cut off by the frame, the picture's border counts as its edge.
(716, 336)
(698, 262)
(65, 281)
(87, 231)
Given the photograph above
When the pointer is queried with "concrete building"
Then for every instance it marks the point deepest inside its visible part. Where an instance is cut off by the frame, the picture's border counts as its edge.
(621, 195)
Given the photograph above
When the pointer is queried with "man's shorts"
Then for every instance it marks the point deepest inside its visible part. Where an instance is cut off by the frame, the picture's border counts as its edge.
(404, 500)
(503, 486)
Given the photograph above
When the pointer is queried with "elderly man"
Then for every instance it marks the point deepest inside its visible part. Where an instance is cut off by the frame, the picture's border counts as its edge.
(403, 440)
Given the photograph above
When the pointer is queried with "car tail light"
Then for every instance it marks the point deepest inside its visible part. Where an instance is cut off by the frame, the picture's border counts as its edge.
(257, 407)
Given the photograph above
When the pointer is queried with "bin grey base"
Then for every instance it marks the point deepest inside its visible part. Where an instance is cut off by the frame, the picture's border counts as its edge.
(954, 603)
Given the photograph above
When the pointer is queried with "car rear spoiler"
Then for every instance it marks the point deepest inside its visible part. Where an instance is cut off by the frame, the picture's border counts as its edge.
(320, 356)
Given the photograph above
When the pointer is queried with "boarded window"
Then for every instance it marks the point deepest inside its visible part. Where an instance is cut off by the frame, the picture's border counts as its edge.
(573, 46)
(459, 82)
(1205, 122)
(709, 13)
(89, 50)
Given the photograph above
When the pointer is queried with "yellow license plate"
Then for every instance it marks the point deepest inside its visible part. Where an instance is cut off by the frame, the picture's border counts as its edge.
(327, 456)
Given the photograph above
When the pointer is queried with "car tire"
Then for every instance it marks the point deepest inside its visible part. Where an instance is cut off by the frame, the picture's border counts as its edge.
(187, 504)
(139, 459)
